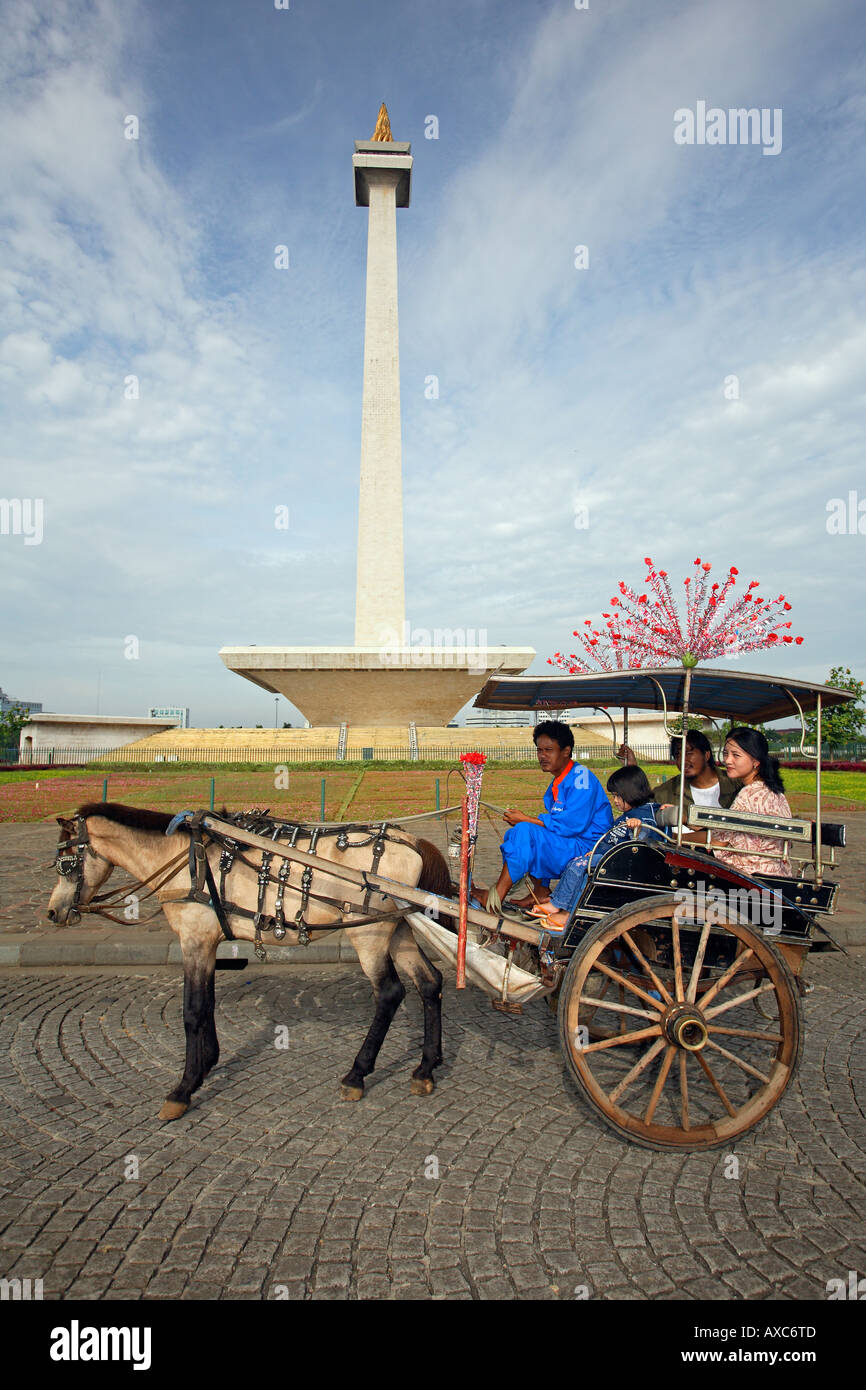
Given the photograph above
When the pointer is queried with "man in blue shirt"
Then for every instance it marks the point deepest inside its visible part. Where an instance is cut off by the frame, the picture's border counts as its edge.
(576, 812)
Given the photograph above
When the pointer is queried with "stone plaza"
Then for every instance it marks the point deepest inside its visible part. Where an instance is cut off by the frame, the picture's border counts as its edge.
(501, 1185)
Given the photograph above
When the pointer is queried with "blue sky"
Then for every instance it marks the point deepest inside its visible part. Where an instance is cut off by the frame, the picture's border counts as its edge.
(560, 387)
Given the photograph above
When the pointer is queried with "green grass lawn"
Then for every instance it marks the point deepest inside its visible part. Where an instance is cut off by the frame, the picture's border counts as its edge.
(353, 791)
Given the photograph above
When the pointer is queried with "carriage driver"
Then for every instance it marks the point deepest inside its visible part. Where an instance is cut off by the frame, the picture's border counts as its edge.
(576, 813)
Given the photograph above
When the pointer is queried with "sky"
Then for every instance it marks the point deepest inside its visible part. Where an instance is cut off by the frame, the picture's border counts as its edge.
(690, 384)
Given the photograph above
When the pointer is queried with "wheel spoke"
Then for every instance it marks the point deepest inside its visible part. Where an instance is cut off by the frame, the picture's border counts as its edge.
(684, 1091)
(747, 1033)
(740, 999)
(660, 1082)
(699, 960)
(641, 959)
(620, 1038)
(623, 980)
(716, 1085)
(678, 959)
(636, 1070)
(746, 1066)
(727, 977)
(617, 1008)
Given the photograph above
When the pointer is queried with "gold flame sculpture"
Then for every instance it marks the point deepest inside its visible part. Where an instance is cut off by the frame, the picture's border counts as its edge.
(383, 126)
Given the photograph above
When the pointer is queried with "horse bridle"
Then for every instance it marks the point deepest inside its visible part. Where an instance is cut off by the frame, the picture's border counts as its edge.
(68, 862)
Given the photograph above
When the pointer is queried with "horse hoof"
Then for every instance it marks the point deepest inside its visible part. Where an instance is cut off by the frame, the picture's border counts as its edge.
(422, 1086)
(173, 1109)
(351, 1092)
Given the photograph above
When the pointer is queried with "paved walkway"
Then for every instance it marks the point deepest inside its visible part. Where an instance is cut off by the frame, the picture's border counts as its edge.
(501, 1185)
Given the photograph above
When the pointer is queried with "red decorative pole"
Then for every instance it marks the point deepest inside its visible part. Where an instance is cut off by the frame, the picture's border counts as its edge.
(464, 897)
(472, 770)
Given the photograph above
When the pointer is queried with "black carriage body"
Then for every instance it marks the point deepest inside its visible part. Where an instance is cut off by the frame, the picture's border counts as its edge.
(640, 869)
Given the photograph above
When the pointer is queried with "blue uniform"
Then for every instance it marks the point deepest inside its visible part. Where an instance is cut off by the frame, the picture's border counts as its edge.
(570, 885)
(576, 812)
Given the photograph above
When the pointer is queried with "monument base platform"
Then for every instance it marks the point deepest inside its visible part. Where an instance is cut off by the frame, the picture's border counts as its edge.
(375, 686)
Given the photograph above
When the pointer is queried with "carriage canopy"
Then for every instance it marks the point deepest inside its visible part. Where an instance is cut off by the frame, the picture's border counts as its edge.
(745, 697)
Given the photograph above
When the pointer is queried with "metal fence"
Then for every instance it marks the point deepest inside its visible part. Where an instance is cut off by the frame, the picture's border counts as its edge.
(277, 755)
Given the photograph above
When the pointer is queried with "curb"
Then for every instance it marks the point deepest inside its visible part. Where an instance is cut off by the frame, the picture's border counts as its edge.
(161, 948)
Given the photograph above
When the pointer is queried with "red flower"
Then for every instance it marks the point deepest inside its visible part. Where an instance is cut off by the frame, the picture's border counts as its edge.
(787, 607)
(647, 561)
(477, 759)
(663, 574)
(707, 568)
(799, 641)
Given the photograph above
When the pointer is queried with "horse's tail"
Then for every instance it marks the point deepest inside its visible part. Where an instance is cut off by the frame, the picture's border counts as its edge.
(434, 877)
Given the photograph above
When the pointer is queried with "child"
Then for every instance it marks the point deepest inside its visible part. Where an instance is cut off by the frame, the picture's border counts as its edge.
(633, 798)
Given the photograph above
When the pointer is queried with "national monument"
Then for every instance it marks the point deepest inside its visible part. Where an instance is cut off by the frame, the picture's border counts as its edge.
(384, 679)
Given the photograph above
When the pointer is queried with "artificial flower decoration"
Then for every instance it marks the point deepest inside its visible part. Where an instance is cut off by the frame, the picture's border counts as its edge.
(649, 630)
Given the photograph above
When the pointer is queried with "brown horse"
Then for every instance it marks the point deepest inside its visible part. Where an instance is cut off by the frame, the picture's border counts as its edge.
(105, 835)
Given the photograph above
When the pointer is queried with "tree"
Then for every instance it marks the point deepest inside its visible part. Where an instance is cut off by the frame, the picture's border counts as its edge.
(843, 723)
(12, 721)
(693, 722)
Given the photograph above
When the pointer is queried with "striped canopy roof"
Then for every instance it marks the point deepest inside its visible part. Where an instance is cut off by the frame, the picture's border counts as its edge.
(740, 695)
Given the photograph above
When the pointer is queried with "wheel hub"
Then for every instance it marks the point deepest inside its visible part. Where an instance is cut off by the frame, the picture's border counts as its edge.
(684, 1026)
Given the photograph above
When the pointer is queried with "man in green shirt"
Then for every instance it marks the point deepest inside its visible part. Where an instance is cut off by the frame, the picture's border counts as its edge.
(706, 784)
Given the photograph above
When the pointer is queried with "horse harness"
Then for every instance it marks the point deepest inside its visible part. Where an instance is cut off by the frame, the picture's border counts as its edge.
(203, 888)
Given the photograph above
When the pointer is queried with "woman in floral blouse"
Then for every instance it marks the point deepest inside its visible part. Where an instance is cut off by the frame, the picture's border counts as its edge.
(747, 758)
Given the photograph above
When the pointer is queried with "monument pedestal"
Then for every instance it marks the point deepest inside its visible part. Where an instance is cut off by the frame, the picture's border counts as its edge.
(372, 686)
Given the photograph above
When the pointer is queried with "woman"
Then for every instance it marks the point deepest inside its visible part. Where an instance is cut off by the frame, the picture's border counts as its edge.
(747, 758)
(706, 784)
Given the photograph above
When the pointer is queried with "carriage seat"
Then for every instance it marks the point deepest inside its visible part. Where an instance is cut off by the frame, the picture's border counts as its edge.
(791, 828)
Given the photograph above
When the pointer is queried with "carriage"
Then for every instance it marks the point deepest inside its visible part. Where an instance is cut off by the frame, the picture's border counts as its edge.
(679, 1004)
(677, 982)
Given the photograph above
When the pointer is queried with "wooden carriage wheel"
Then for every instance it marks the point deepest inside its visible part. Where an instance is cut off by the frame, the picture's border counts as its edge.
(670, 1050)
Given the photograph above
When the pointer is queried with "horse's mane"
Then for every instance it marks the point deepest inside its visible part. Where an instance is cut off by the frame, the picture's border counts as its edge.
(435, 876)
(133, 816)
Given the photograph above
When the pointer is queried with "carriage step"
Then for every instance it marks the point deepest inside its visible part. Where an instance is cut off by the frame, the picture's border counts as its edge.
(232, 963)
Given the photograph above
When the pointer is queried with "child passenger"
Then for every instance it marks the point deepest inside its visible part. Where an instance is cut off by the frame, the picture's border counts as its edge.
(633, 797)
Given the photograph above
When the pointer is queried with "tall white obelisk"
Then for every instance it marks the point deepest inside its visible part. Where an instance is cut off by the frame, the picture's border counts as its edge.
(383, 174)
(388, 677)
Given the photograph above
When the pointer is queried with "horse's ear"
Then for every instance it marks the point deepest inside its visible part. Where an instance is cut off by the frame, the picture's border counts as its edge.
(62, 820)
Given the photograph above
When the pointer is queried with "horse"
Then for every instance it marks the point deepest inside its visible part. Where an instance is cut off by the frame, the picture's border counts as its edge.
(107, 835)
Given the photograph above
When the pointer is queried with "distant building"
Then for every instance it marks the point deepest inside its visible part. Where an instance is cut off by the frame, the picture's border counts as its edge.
(178, 713)
(499, 719)
(7, 703)
(75, 738)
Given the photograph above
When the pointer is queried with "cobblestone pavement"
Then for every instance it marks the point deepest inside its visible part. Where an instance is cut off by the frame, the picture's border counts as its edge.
(501, 1185)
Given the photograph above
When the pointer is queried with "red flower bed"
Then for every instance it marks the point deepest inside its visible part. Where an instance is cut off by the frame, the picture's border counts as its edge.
(827, 766)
